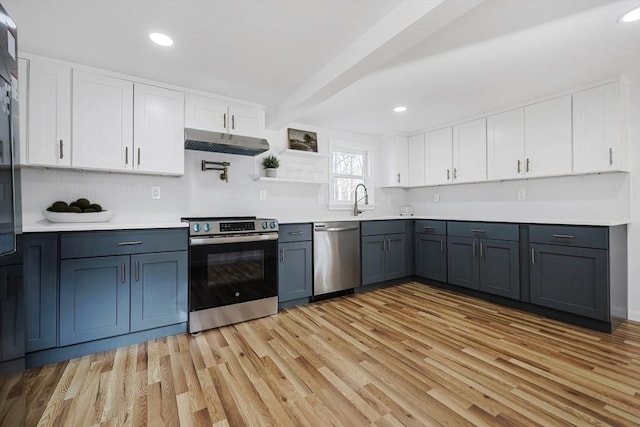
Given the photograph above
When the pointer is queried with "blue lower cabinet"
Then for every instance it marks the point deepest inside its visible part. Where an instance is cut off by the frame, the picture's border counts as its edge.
(500, 268)
(94, 298)
(464, 266)
(41, 290)
(11, 313)
(373, 259)
(158, 290)
(295, 271)
(431, 257)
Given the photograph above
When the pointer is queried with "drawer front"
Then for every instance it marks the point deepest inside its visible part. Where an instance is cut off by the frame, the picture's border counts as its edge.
(428, 226)
(294, 232)
(374, 228)
(122, 242)
(570, 235)
(483, 230)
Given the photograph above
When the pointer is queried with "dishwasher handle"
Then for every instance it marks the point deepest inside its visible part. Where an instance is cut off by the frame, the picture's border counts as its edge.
(336, 229)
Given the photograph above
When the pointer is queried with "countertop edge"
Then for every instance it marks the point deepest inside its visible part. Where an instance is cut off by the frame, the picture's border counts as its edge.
(45, 226)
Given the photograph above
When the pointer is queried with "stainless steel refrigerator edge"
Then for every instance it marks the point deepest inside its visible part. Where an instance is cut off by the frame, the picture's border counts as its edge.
(336, 256)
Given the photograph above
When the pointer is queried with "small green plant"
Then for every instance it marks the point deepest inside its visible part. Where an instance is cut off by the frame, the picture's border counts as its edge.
(270, 162)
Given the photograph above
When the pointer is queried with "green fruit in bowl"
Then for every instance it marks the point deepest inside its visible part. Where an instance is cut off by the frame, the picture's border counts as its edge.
(82, 203)
(96, 207)
(74, 209)
(59, 206)
(89, 210)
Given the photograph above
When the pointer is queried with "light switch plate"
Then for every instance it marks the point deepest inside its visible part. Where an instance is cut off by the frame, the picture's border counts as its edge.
(436, 197)
(522, 194)
(263, 195)
(155, 193)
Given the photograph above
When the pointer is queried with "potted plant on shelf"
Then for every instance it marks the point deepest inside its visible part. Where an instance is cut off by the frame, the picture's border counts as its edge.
(270, 165)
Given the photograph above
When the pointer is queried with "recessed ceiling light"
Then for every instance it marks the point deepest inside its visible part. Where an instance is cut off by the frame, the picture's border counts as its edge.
(161, 39)
(631, 16)
(400, 109)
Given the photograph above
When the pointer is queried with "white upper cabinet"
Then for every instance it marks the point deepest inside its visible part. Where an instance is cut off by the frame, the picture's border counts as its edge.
(597, 142)
(547, 137)
(505, 145)
(395, 158)
(470, 151)
(439, 149)
(48, 115)
(158, 131)
(206, 113)
(102, 122)
(417, 160)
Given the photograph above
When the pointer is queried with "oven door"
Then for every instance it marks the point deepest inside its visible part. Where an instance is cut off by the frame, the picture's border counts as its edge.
(231, 270)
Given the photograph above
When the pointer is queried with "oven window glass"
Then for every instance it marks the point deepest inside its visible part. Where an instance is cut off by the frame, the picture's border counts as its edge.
(235, 268)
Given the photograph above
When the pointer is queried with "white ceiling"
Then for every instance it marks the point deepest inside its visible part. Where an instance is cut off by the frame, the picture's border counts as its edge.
(342, 63)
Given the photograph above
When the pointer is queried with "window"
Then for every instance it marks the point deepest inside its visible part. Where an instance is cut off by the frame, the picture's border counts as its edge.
(348, 169)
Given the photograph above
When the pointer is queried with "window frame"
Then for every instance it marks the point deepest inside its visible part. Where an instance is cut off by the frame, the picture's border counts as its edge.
(350, 148)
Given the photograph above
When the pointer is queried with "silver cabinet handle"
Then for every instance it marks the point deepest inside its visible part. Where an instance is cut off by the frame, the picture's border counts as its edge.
(563, 236)
(428, 228)
(296, 233)
(389, 245)
(455, 173)
(224, 120)
(233, 121)
(282, 255)
(123, 272)
(441, 246)
(519, 168)
(533, 256)
(138, 156)
(610, 156)
(126, 155)
(398, 179)
(481, 250)
(137, 242)
(478, 231)
(448, 174)
(137, 271)
(528, 165)
(473, 248)
(61, 149)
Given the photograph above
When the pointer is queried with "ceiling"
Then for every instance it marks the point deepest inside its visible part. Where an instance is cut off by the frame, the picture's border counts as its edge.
(346, 63)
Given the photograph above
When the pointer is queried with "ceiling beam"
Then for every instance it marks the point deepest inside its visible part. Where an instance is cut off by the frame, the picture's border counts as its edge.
(409, 23)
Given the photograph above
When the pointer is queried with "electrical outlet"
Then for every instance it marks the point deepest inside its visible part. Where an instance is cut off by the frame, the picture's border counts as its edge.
(436, 197)
(263, 195)
(522, 194)
(155, 193)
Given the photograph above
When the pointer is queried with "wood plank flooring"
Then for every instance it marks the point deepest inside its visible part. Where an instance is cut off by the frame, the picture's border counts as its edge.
(406, 355)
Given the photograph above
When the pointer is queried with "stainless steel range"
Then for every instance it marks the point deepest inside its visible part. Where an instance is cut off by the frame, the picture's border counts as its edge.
(233, 270)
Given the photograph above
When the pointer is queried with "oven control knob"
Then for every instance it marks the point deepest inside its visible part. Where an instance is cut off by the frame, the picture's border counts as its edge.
(237, 294)
(273, 224)
(206, 227)
(196, 227)
(265, 224)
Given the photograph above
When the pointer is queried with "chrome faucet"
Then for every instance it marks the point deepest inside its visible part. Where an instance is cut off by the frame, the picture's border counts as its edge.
(355, 197)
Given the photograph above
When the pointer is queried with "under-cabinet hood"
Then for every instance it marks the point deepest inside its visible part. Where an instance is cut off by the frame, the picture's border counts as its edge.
(202, 140)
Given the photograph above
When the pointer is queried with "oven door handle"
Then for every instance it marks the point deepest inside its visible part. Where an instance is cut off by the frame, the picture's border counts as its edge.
(200, 241)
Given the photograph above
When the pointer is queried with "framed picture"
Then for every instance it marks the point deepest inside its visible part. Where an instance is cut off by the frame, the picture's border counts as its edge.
(302, 140)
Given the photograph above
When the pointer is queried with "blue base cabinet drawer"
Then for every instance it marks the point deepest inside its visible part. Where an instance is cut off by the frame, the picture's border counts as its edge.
(570, 235)
(294, 233)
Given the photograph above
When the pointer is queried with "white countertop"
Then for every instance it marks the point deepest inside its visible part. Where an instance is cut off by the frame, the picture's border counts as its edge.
(44, 225)
(364, 217)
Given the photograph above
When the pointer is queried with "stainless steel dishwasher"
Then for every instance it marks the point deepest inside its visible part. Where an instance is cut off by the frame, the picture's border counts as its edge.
(336, 256)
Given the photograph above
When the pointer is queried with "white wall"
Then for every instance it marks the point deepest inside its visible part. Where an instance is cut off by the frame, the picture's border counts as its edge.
(199, 193)
(634, 228)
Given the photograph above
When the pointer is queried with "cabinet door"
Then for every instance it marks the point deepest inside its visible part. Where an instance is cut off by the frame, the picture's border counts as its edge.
(570, 279)
(158, 130)
(102, 122)
(206, 113)
(417, 172)
(49, 114)
(547, 137)
(396, 256)
(41, 290)
(431, 257)
(294, 273)
(158, 290)
(399, 158)
(462, 259)
(505, 145)
(94, 298)
(246, 120)
(11, 313)
(373, 255)
(500, 268)
(439, 163)
(470, 151)
(596, 139)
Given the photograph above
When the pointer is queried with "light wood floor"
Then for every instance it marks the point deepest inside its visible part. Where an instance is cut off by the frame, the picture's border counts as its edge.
(407, 355)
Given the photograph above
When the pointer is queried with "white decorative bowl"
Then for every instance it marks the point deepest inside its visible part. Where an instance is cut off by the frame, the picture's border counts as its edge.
(102, 216)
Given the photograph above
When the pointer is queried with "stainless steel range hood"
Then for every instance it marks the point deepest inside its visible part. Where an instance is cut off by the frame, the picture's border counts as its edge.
(202, 140)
